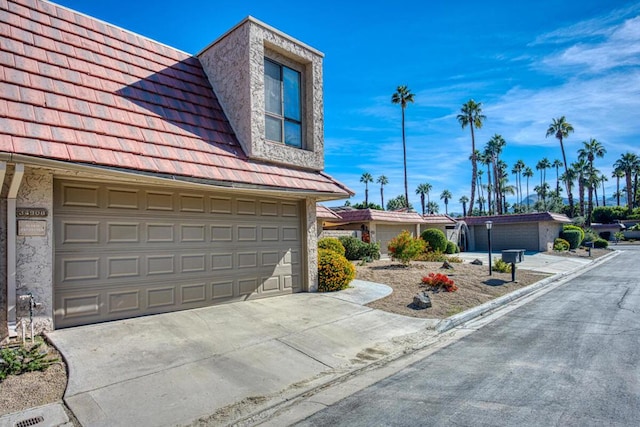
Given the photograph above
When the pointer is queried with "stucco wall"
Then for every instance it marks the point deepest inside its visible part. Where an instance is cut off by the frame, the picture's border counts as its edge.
(548, 231)
(34, 254)
(235, 67)
(311, 244)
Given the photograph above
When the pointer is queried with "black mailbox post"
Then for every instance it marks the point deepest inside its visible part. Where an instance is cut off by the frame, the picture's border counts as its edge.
(513, 257)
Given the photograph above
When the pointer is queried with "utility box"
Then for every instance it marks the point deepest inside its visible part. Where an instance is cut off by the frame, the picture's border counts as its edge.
(513, 256)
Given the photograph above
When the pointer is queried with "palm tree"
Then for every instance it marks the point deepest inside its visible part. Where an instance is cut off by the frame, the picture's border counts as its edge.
(487, 159)
(445, 196)
(518, 167)
(561, 129)
(603, 179)
(581, 169)
(493, 149)
(629, 163)
(423, 190)
(471, 115)
(617, 174)
(382, 180)
(589, 151)
(543, 165)
(403, 96)
(366, 178)
(433, 207)
(527, 173)
(464, 200)
(557, 164)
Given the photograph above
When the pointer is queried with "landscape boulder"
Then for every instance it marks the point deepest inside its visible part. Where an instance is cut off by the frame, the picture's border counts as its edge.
(421, 301)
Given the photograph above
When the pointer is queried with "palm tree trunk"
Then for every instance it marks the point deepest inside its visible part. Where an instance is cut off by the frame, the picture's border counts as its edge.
(489, 190)
(474, 170)
(566, 171)
(382, 196)
(589, 204)
(422, 202)
(404, 154)
(604, 200)
(527, 194)
(366, 196)
(618, 190)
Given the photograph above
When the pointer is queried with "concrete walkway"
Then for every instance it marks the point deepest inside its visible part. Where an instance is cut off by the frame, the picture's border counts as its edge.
(221, 363)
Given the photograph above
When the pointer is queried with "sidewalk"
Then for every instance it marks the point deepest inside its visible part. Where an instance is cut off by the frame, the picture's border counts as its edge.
(223, 363)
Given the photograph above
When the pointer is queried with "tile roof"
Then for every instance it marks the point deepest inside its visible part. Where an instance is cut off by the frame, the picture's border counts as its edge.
(323, 212)
(517, 218)
(438, 219)
(357, 215)
(76, 89)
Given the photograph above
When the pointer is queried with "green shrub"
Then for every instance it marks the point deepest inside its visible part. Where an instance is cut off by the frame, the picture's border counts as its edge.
(405, 247)
(435, 238)
(574, 227)
(335, 272)
(452, 248)
(561, 245)
(454, 259)
(356, 249)
(609, 214)
(618, 235)
(600, 243)
(500, 266)
(574, 237)
(332, 244)
(16, 361)
(589, 236)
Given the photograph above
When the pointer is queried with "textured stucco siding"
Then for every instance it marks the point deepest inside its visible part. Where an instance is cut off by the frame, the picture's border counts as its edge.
(547, 232)
(235, 67)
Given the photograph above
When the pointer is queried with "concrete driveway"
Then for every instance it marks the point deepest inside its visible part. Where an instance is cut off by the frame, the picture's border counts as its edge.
(172, 369)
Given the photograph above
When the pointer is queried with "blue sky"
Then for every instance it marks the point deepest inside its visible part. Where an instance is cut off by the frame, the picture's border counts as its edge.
(527, 62)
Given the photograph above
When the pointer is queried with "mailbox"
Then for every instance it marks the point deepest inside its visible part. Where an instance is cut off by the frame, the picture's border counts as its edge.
(513, 256)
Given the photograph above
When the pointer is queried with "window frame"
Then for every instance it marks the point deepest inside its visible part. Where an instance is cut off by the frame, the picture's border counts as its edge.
(282, 117)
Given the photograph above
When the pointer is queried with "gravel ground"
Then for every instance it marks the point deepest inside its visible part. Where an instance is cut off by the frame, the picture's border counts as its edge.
(32, 389)
(475, 286)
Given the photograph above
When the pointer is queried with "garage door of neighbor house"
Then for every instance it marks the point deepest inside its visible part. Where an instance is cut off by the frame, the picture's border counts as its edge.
(386, 232)
(508, 236)
(123, 251)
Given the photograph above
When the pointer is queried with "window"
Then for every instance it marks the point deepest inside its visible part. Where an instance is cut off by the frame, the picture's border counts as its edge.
(283, 115)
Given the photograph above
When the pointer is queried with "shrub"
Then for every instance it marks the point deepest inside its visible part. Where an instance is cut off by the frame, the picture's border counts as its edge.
(574, 227)
(356, 249)
(454, 259)
(600, 243)
(573, 237)
(435, 256)
(589, 236)
(332, 244)
(561, 245)
(335, 272)
(16, 361)
(618, 235)
(452, 248)
(500, 266)
(435, 238)
(439, 280)
(405, 247)
(609, 214)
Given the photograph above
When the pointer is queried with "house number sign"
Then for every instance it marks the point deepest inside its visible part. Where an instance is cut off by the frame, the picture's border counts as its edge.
(32, 212)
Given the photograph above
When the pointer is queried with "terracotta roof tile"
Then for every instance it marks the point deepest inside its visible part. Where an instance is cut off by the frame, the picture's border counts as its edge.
(91, 92)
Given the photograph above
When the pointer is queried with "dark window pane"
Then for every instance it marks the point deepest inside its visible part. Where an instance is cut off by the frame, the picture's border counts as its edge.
(273, 128)
(272, 88)
(291, 81)
(292, 134)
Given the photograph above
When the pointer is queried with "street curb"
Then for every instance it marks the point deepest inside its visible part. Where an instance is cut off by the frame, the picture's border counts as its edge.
(473, 313)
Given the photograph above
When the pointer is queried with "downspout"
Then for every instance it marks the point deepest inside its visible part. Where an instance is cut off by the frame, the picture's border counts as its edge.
(12, 232)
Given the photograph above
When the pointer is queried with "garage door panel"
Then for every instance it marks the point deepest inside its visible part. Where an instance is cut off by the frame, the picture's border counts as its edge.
(125, 252)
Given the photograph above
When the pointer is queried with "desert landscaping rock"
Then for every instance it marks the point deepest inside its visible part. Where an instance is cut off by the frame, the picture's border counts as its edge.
(421, 301)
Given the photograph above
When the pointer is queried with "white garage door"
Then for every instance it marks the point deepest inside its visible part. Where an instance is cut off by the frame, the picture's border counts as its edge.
(124, 251)
(386, 232)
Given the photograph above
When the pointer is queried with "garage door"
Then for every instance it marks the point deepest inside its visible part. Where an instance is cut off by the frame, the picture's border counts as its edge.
(125, 251)
(508, 236)
(386, 232)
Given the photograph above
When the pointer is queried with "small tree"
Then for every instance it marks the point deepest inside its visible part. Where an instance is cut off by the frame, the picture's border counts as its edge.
(405, 248)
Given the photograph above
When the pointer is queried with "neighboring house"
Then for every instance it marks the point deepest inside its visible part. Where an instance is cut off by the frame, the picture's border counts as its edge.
(444, 223)
(378, 226)
(139, 179)
(326, 218)
(533, 231)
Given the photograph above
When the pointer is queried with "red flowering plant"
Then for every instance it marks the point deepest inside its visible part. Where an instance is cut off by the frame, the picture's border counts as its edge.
(439, 280)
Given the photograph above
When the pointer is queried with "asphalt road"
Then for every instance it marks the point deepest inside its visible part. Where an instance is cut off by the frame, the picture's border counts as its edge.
(569, 358)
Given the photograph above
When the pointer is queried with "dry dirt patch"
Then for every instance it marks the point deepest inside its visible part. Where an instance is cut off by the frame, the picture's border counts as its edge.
(19, 392)
(475, 286)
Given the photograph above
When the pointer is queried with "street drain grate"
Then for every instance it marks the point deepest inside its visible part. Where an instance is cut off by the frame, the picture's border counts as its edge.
(33, 421)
